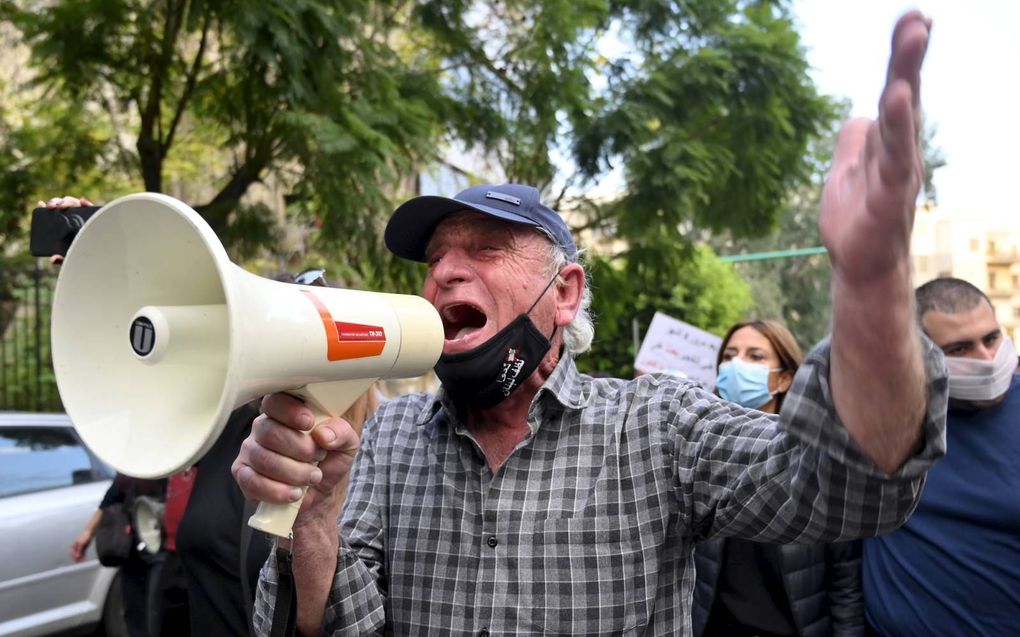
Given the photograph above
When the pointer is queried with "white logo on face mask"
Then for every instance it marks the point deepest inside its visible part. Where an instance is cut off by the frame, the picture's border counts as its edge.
(976, 379)
(512, 365)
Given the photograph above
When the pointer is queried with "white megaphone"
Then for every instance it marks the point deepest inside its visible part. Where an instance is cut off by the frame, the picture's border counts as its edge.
(147, 518)
(157, 337)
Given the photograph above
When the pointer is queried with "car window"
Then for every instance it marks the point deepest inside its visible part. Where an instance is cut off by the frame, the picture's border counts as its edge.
(38, 458)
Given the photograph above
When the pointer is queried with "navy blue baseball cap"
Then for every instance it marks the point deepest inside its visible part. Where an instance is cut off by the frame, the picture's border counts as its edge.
(412, 224)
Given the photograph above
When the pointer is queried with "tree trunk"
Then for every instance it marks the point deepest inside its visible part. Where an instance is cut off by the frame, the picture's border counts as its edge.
(151, 157)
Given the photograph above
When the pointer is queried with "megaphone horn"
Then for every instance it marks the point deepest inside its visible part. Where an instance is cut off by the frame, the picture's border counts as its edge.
(157, 337)
(147, 518)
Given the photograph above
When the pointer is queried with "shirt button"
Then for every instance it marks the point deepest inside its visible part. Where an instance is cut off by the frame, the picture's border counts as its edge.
(483, 632)
(492, 542)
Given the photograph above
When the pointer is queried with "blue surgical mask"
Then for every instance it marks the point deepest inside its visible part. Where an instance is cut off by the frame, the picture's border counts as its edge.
(746, 384)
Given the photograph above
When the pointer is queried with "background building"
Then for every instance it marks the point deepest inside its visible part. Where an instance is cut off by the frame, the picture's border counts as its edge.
(961, 245)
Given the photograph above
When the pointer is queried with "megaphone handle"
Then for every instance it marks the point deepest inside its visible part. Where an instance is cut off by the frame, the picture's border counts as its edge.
(325, 400)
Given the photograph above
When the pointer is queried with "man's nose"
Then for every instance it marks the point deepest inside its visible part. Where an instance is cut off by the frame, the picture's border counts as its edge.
(454, 267)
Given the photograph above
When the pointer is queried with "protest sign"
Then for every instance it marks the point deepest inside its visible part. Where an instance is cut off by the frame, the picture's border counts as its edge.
(675, 347)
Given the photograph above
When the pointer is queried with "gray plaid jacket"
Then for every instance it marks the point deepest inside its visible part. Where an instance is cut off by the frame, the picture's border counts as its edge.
(588, 527)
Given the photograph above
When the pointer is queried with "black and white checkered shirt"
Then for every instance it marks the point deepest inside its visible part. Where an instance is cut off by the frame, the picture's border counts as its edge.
(589, 525)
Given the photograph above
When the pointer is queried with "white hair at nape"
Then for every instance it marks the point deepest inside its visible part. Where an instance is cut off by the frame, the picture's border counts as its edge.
(577, 336)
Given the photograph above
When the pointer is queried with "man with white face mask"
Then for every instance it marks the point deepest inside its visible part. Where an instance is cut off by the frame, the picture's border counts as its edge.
(954, 567)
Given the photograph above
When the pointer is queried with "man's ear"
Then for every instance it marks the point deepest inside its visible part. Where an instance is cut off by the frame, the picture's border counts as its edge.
(568, 293)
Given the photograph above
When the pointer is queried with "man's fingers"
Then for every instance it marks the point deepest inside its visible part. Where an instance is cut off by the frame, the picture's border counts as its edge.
(67, 201)
(899, 141)
(288, 410)
(281, 468)
(336, 434)
(265, 474)
(256, 486)
(894, 148)
(284, 440)
(333, 434)
(909, 44)
(850, 143)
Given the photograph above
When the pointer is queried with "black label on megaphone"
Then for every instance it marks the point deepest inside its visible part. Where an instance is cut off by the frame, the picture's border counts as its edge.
(143, 336)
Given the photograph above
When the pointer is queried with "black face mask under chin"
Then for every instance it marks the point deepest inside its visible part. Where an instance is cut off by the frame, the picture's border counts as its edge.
(484, 376)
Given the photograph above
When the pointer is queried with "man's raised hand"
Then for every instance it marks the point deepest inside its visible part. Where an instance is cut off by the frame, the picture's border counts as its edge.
(870, 194)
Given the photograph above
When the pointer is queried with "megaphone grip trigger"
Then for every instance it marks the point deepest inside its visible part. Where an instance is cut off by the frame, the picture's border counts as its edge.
(275, 519)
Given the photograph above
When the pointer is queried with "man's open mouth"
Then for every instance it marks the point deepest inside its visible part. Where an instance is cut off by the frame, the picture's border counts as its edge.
(461, 319)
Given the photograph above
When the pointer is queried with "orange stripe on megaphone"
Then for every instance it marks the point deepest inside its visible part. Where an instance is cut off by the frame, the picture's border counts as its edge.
(345, 341)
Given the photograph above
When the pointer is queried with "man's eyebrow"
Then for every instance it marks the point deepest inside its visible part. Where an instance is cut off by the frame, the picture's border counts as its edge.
(955, 344)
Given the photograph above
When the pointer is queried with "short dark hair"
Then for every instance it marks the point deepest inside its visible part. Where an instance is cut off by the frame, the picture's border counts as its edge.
(949, 295)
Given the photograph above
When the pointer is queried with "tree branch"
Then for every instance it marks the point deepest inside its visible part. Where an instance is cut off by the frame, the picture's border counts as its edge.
(216, 211)
(190, 82)
(118, 130)
(149, 145)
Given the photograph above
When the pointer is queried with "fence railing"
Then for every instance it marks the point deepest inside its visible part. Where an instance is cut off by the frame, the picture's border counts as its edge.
(26, 371)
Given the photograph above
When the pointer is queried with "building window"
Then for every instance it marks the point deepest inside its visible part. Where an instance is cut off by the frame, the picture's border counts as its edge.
(991, 280)
(974, 244)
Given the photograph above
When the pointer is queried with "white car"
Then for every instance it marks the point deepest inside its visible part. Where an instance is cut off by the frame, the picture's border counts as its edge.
(50, 485)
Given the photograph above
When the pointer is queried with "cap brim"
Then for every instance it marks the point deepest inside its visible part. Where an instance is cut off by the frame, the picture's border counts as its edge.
(412, 224)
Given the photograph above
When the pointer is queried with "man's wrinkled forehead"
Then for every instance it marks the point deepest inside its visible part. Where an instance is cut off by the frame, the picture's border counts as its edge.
(480, 226)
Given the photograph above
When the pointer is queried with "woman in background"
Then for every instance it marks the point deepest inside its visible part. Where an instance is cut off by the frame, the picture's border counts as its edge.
(747, 588)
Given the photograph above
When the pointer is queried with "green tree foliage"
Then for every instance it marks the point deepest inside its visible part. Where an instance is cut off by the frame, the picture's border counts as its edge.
(703, 106)
(710, 118)
(711, 122)
(793, 290)
(277, 85)
(705, 292)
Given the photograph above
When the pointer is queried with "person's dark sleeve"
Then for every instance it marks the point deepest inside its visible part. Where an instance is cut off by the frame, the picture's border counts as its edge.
(115, 494)
(846, 599)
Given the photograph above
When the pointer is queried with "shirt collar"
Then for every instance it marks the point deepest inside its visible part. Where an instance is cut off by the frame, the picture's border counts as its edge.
(568, 386)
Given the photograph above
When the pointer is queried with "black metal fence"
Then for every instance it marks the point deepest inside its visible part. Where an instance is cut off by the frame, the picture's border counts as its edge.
(26, 371)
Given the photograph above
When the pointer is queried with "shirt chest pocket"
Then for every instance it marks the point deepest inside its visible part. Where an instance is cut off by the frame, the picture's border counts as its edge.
(581, 576)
